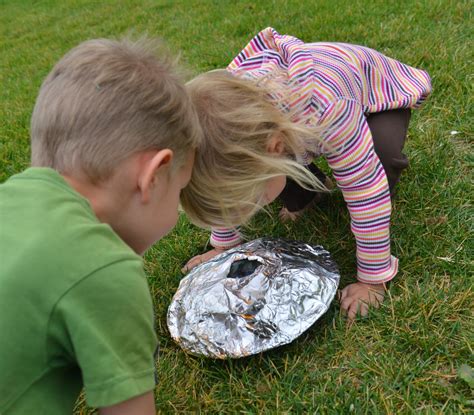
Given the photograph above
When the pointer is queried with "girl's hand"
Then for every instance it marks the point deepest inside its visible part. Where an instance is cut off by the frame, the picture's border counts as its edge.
(199, 259)
(358, 297)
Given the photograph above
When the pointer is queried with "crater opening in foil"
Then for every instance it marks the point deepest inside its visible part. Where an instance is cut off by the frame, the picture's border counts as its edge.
(243, 268)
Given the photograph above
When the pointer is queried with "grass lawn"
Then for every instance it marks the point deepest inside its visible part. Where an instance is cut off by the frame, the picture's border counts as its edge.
(404, 357)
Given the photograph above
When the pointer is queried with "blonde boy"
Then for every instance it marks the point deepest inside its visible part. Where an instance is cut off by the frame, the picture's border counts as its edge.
(113, 135)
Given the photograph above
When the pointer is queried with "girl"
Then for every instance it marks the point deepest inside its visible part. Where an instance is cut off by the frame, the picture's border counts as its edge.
(280, 104)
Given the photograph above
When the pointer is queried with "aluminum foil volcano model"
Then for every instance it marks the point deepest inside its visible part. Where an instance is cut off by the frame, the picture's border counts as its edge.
(252, 298)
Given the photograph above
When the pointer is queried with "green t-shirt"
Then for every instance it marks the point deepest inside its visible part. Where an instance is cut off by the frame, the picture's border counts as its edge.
(75, 308)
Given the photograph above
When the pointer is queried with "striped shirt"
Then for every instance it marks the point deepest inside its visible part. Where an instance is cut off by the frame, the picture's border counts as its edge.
(335, 85)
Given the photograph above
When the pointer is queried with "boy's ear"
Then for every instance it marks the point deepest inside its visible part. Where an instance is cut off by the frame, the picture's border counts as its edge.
(276, 146)
(153, 164)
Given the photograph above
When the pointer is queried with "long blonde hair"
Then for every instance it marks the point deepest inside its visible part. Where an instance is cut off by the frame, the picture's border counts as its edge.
(232, 164)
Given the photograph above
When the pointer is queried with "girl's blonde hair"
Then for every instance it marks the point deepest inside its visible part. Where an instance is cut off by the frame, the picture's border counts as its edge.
(232, 164)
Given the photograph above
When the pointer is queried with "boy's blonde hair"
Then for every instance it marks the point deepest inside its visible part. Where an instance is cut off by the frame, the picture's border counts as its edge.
(232, 164)
(106, 100)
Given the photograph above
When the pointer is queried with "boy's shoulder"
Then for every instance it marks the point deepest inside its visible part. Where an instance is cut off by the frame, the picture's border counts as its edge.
(49, 230)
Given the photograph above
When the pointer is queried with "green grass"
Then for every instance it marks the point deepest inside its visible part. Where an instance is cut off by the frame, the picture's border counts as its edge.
(405, 357)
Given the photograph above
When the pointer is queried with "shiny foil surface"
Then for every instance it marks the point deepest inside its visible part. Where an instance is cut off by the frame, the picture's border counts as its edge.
(252, 298)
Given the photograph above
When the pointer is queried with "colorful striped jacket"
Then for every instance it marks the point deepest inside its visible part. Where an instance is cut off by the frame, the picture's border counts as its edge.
(335, 84)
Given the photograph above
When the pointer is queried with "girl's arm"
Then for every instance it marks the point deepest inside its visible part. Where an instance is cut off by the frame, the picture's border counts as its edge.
(362, 180)
(225, 238)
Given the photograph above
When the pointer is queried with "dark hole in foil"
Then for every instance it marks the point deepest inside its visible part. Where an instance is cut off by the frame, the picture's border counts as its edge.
(243, 268)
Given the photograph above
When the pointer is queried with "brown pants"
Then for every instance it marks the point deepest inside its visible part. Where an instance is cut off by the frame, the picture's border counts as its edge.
(389, 131)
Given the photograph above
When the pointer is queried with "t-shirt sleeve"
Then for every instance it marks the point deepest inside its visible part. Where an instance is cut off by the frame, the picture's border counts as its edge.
(360, 176)
(108, 325)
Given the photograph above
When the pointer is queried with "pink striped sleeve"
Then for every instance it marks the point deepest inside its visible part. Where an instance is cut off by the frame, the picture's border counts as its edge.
(262, 42)
(225, 238)
(362, 180)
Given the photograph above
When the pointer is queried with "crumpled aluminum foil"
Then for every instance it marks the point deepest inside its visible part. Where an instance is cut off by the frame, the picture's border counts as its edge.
(252, 298)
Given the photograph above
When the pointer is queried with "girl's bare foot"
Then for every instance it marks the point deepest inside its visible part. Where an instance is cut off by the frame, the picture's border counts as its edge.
(288, 216)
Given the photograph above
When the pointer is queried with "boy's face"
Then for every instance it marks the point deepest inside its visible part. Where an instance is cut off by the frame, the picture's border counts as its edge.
(149, 209)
